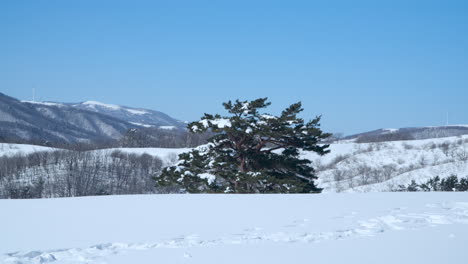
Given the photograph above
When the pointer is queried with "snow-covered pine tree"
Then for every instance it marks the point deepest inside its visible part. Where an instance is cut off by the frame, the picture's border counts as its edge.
(252, 152)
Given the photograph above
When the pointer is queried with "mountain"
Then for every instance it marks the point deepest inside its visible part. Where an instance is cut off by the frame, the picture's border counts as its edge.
(409, 133)
(136, 116)
(43, 122)
(90, 121)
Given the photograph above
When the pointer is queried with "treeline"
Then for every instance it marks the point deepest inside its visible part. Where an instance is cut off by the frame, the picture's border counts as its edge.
(398, 136)
(68, 173)
(163, 138)
(133, 138)
(449, 184)
(413, 134)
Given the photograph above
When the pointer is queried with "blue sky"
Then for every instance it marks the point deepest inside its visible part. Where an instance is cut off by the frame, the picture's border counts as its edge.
(361, 64)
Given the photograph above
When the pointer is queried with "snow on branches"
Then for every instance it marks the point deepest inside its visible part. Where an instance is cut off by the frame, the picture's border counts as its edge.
(250, 152)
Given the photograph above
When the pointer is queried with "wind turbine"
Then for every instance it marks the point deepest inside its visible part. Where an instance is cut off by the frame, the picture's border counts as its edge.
(447, 120)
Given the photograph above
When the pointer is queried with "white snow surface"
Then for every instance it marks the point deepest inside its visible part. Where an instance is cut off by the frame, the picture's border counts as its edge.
(209, 177)
(95, 103)
(391, 130)
(265, 116)
(318, 228)
(220, 122)
(136, 112)
(167, 127)
(42, 103)
(7, 149)
(168, 155)
(141, 124)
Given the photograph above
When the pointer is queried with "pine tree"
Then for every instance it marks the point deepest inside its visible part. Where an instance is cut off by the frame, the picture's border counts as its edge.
(463, 186)
(251, 152)
(413, 187)
(449, 184)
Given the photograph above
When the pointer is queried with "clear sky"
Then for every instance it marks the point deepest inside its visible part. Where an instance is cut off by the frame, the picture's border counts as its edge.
(361, 64)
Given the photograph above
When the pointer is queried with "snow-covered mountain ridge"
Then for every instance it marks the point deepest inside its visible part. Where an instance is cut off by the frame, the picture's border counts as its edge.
(64, 123)
(44, 123)
(137, 116)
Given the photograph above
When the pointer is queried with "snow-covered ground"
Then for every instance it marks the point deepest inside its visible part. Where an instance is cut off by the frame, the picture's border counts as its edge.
(364, 167)
(323, 228)
(169, 156)
(7, 149)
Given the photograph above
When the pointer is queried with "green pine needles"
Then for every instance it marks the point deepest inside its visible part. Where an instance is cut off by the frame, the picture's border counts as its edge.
(252, 152)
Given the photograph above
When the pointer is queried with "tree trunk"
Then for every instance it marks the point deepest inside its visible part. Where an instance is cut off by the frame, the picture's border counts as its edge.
(242, 165)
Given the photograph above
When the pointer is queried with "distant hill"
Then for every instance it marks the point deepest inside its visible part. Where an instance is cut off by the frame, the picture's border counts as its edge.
(41, 123)
(409, 133)
(137, 116)
(64, 123)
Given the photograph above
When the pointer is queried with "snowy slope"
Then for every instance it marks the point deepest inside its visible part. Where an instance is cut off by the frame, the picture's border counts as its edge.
(364, 167)
(383, 166)
(55, 123)
(23, 149)
(324, 228)
(169, 156)
(137, 116)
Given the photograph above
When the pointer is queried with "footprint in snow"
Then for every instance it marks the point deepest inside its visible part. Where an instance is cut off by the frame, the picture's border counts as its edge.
(350, 215)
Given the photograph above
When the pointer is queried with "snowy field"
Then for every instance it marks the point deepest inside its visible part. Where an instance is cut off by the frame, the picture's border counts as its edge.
(324, 228)
(168, 156)
(7, 149)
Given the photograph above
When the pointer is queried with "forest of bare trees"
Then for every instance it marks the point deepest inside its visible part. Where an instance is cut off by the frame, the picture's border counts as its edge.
(68, 173)
(86, 168)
